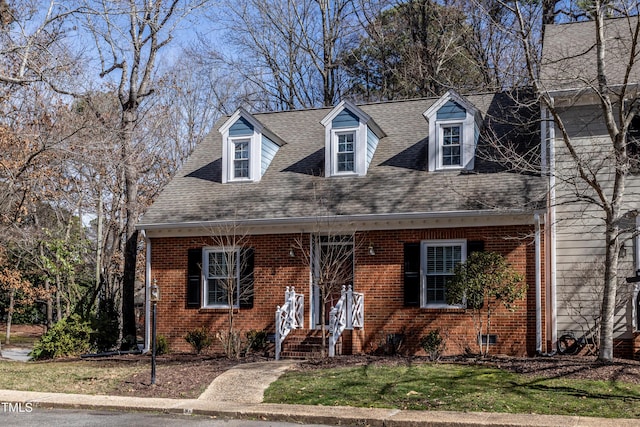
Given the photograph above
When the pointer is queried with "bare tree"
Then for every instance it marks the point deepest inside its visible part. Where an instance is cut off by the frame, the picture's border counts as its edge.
(32, 42)
(228, 270)
(128, 37)
(289, 50)
(603, 69)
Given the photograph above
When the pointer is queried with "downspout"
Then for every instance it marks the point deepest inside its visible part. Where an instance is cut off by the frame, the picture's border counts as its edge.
(538, 284)
(550, 241)
(147, 293)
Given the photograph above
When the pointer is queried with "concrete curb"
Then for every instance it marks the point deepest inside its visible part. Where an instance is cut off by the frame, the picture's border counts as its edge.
(338, 415)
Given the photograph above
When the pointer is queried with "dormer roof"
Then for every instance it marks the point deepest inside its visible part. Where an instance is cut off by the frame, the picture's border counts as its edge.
(296, 189)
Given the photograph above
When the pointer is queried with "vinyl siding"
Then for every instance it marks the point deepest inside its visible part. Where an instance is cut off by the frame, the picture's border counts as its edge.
(372, 143)
(269, 150)
(580, 230)
(241, 128)
(345, 119)
(451, 111)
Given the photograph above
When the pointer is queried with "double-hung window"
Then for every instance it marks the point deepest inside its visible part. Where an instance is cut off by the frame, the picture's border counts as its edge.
(222, 276)
(241, 159)
(439, 258)
(345, 151)
(450, 144)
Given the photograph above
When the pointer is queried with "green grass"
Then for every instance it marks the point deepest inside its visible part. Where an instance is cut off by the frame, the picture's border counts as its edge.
(64, 377)
(18, 340)
(455, 388)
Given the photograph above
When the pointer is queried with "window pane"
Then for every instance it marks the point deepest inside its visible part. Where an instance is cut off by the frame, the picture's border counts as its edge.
(217, 294)
(222, 277)
(345, 162)
(346, 152)
(217, 264)
(440, 262)
(451, 145)
(241, 160)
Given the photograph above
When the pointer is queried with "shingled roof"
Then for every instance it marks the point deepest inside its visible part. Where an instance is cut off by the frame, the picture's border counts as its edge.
(569, 54)
(397, 181)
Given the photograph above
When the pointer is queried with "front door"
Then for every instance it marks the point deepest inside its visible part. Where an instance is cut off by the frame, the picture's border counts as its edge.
(332, 269)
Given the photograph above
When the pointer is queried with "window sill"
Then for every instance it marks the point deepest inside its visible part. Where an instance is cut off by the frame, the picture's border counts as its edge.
(441, 307)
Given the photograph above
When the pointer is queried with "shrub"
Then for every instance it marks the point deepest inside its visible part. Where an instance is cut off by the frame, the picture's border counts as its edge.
(71, 336)
(105, 326)
(162, 345)
(433, 344)
(199, 339)
(256, 340)
(231, 343)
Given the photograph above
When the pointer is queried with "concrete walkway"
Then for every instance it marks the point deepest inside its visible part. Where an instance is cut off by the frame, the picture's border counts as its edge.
(238, 394)
(15, 353)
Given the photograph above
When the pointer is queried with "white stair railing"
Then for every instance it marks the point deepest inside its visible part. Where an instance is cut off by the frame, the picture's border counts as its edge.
(288, 317)
(348, 313)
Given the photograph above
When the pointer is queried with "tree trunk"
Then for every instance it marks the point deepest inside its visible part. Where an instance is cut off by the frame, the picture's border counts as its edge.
(49, 301)
(131, 213)
(12, 295)
(58, 304)
(128, 287)
(609, 295)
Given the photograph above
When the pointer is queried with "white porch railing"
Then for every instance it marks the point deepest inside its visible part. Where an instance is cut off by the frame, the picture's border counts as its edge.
(348, 313)
(288, 317)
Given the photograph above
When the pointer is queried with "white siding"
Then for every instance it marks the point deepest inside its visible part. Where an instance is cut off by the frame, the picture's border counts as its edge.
(580, 226)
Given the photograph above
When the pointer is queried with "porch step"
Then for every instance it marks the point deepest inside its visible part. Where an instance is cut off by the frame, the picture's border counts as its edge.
(300, 345)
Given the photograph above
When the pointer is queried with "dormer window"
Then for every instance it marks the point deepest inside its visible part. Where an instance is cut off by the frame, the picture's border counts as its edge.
(453, 133)
(345, 151)
(247, 148)
(241, 158)
(451, 136)
(351, 138)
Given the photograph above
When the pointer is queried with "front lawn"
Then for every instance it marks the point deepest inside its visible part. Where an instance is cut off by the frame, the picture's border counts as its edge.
(454, 387)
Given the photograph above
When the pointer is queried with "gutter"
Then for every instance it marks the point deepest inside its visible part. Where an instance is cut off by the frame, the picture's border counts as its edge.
(335, 219)
(538, 284)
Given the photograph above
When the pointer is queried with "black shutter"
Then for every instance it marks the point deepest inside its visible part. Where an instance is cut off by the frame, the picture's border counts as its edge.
(412, 274)
(474, 246)
(194, 274)
(246, 278)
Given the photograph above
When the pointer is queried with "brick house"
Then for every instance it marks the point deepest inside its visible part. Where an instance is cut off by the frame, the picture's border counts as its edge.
(410, 188)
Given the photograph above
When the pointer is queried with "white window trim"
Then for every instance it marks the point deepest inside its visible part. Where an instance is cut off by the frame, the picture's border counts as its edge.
(205, 276)
(335, 134)
(231, 157)
(423, 268)
(255, 148)
(469, 129)
(441, 124)
(360, 150)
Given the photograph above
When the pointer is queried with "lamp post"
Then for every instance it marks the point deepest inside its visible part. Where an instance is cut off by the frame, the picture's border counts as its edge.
(154, 297)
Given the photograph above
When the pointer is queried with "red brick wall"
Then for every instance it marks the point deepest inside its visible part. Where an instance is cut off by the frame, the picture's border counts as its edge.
(379, 277)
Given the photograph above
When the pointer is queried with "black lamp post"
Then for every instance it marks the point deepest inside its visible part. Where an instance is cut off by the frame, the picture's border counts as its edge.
(154, 297)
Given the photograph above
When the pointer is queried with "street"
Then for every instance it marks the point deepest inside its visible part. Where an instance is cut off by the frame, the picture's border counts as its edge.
(25, 416)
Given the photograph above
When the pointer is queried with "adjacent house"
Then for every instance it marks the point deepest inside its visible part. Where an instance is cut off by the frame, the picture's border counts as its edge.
(576, 226)
(250, 229)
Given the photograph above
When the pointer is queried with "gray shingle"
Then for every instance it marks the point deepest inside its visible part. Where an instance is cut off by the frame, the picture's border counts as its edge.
(569, 54)
(397, 180)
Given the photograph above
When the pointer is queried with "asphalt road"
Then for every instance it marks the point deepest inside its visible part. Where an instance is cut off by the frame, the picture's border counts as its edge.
(25, 416)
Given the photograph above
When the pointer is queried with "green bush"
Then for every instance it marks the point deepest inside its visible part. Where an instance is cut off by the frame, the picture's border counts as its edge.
(162, 345)
(433, 344)
(256, 340)
(71, 336)
(105, 326)
(199, 338)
